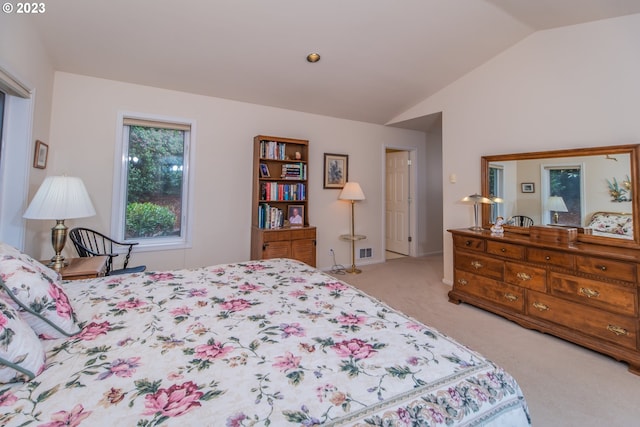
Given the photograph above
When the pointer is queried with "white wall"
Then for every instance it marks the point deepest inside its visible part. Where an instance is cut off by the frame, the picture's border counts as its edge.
(569, 87)
(83, 137)
(23, 55)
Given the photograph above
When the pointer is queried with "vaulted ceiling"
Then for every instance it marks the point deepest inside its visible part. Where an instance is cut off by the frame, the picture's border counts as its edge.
(378, 57)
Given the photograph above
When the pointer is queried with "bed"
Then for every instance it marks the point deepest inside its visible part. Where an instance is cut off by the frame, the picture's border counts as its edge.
(271, 342)
(611, 224)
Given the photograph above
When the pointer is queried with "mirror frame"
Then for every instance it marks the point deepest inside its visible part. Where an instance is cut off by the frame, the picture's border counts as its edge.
(632, 149)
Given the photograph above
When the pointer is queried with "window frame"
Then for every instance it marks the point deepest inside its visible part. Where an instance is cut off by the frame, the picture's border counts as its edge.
(118, 204)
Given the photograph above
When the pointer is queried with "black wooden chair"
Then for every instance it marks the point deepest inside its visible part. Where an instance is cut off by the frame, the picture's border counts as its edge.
(520, 221)
(92, 243)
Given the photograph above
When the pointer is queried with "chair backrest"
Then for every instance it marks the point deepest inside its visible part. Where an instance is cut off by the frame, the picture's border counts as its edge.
(520, 221)
(92, 243)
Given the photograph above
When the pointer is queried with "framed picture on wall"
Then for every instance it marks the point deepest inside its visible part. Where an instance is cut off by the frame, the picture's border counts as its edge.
(336, 170)
(40, 155)
(528, 187)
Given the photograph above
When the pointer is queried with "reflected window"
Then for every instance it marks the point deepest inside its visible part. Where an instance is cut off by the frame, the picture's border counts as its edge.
(563, 182)
(496, 189)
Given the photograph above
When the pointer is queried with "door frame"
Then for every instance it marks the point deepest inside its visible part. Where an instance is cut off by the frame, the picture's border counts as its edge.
(412, 195)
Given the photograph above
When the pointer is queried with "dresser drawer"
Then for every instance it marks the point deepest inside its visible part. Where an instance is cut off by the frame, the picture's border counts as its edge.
(615, 298)
(614, 328)
(506, 250)
(478, 264)
(506, 295)
(469, 243)
(525, 275)
(546, 256)
(608, 268)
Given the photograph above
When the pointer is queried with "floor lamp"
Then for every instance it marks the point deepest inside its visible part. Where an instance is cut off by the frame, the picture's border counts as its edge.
(352, 192)
(60, 198)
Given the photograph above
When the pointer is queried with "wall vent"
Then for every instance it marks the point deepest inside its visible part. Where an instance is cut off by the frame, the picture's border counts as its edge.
(365, 253)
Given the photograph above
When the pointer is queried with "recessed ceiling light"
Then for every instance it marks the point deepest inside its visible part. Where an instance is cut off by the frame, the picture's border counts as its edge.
(313, 57)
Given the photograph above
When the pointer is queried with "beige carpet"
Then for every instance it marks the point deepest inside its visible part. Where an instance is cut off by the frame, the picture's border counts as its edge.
(564, 384)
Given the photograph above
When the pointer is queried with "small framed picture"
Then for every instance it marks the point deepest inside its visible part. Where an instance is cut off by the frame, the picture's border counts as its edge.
(295, 215)
(528, 187)
(336, 170)
(264, 171)
(40, 155)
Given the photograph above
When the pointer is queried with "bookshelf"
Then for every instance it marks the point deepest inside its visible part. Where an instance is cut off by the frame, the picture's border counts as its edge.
(279, 209)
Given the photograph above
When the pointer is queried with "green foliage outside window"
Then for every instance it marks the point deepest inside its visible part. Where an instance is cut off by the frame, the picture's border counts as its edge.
(148, 220)
(154, 182)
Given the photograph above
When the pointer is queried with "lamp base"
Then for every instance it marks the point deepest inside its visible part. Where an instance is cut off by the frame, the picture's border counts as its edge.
(57, 264)
(475, 228)
(353, 270)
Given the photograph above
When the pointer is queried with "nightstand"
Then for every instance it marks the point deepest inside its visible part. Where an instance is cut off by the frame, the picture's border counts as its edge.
(83, 267)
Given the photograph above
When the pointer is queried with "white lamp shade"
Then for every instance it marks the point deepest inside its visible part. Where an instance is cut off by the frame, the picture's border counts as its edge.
(556, 203)
(59, 198)
(351, 191)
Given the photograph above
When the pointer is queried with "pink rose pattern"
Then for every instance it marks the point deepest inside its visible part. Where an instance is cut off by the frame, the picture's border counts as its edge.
(311, 342)
(172, 402)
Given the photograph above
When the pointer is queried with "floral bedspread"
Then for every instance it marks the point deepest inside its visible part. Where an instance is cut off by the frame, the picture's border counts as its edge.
(257, 343)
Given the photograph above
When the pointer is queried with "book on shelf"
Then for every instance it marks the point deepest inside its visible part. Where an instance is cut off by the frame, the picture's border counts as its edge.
(270, 216)
(275, 191)
(294, 171)
(273, 150)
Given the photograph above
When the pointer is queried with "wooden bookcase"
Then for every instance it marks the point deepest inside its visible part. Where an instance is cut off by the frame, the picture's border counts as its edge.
(280, 188)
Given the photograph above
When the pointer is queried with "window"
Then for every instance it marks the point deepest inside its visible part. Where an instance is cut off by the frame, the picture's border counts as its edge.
(152, 196)
(565, 182)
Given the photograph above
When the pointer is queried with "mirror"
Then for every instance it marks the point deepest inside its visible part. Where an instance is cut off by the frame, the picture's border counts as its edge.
(592, 189)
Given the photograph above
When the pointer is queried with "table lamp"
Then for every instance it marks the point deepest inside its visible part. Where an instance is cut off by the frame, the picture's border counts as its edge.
(60, 198)
(556, 204)
(476, 199)
(352, 192)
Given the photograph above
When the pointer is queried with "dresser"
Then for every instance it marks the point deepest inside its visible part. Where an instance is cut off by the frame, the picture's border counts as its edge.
(581, 292)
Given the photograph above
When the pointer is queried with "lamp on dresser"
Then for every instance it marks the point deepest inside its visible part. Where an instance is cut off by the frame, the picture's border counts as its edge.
(60, 198)
(353, 193)
(556, 204)
(476, 199)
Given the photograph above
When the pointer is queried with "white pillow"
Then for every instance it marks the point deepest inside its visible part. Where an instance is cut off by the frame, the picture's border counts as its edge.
(21, 354)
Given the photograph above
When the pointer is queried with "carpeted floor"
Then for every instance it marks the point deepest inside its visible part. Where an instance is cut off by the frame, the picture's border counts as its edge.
(565, 384)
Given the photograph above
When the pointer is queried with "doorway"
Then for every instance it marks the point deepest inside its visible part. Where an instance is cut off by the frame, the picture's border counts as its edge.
(397, 203)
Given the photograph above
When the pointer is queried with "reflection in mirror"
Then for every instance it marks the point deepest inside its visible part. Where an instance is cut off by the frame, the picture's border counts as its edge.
(591, 189)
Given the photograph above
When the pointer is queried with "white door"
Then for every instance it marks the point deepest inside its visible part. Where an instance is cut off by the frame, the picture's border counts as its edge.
(397, 202)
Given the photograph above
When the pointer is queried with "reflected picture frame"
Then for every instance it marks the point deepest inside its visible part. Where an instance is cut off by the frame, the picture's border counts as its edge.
(336, 170)
(528, 187)
(40, 155)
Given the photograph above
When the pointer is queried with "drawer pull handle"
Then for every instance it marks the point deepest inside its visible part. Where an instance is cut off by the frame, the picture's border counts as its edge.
(589, 293)
(601, 267)
(462, 282)
(476, 264)
(523, 276)
(617, 330)
(511, 297)
(547, 257)
(540, 306)
(503, 249)
(468, 243)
